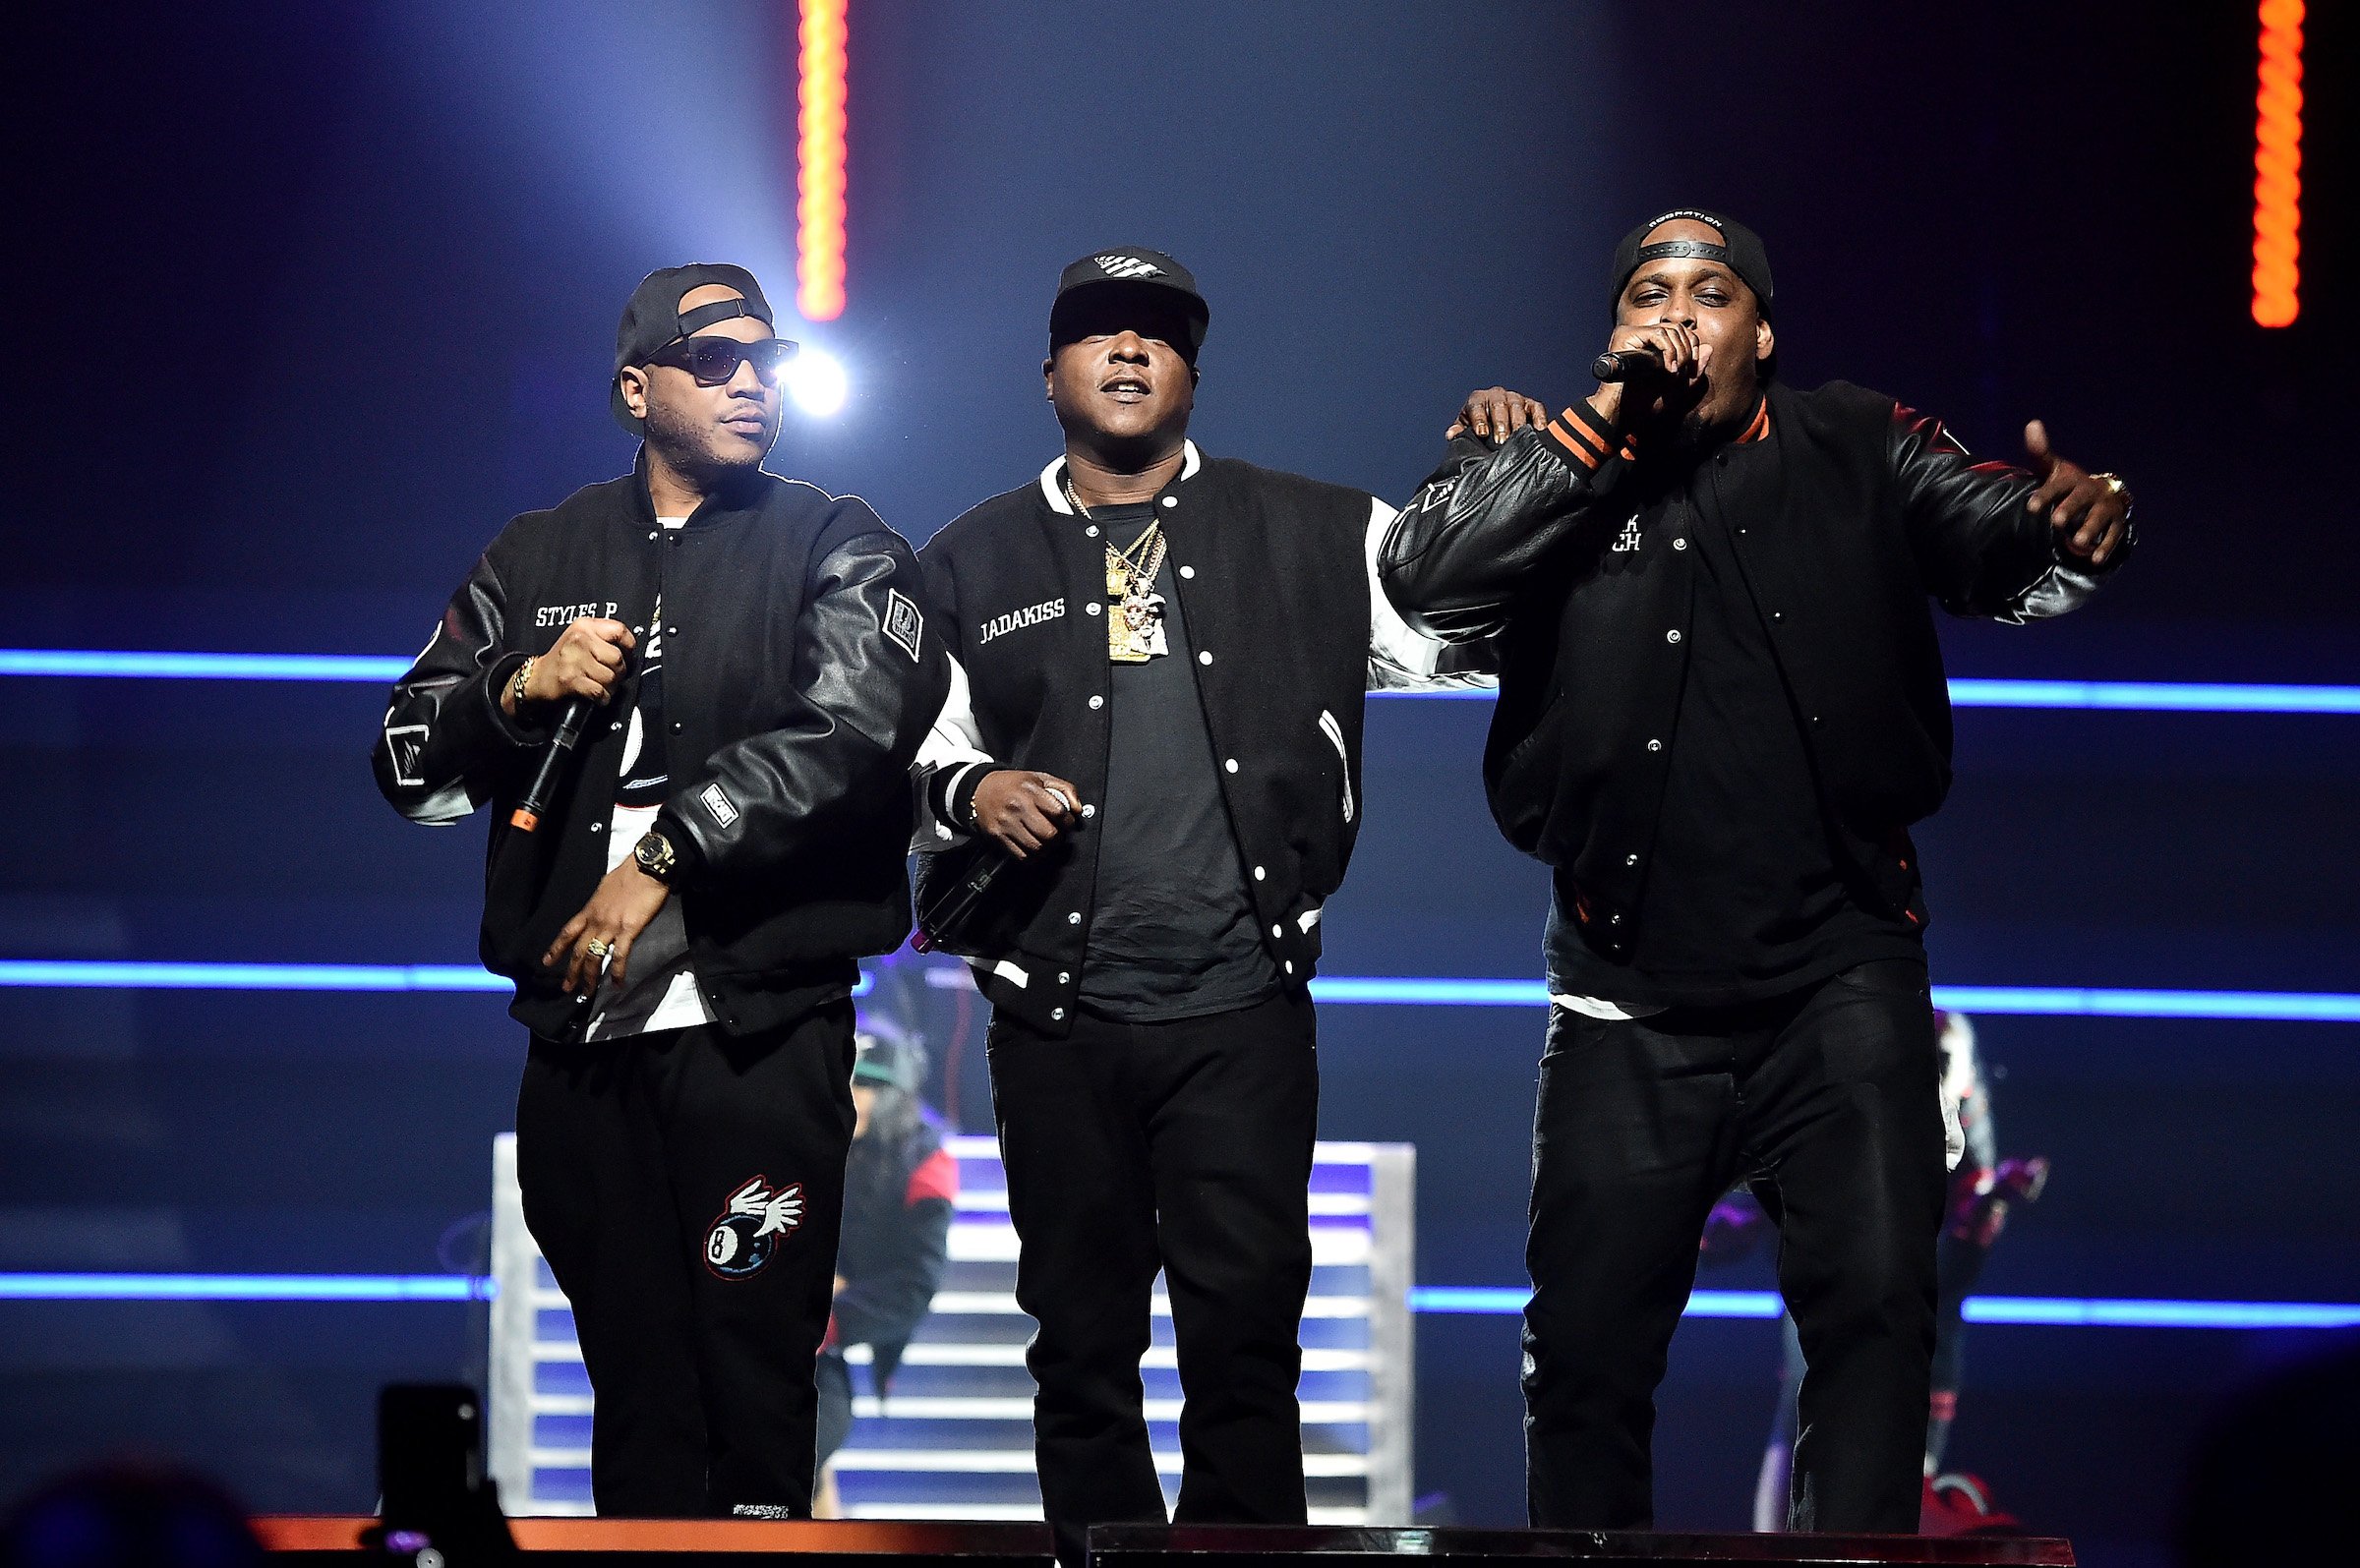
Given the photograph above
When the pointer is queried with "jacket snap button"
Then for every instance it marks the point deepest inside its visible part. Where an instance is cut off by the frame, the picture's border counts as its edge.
(1655, 745)
(1278, 931)
(1187, 571)
(1097, 702)
(672, 631)
(1091, 532)
(1680, 543)
(676, 729)
(1089, 811)
(1290, 966)
(1631, 860)
(1205, 657)
(1672, 636)
(1091, 608)
(1057, 1013)
(1230, 763)
(1778, 615)
(1064, 977)
(651, 532)
(1075, 918)
(617, 725)
(1171, 500)
(1258, 874)
(598, 826)
(1614, 919)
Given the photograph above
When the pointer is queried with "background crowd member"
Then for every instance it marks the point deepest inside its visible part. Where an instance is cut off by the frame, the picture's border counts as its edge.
(1164, 661)
(1722, 706)
(681, 926)
(901, 1187)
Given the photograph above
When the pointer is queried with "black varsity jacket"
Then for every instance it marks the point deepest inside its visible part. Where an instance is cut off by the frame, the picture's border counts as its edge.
(800, 679)
(1846, 514)
(1276, 576)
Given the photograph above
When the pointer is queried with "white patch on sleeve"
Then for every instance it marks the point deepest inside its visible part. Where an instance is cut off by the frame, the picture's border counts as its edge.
(723, 811)
(903, 624)
(404, 743)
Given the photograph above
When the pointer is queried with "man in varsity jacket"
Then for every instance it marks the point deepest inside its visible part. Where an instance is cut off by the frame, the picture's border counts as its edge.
(1157, 723)
(1721, 708)
(682, 923)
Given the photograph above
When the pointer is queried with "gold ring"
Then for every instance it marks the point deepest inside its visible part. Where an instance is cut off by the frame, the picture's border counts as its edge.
(598, 947)
(2113, 482)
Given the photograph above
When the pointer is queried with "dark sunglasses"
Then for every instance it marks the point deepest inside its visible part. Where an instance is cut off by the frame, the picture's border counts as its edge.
(714, 360)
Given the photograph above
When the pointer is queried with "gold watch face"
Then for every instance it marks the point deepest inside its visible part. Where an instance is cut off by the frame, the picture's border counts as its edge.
(655, 855)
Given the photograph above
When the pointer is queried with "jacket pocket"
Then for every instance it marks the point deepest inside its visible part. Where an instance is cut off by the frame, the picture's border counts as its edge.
(1335, 738)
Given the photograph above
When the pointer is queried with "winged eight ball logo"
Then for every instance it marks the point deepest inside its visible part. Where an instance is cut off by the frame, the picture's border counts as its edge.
(748, 1230)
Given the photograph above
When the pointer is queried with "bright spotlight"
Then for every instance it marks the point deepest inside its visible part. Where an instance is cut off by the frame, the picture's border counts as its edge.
(816, 382)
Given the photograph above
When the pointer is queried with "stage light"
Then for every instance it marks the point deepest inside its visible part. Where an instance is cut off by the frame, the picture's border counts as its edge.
(2278, 165)
(820, 161)
(815, 380)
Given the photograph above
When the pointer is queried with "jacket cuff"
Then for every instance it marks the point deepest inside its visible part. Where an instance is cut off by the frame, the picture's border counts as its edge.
(1584, 442)
(519, 728)
(953, 792)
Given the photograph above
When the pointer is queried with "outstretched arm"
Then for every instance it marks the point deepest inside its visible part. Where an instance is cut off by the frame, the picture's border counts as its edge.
(2005, 543)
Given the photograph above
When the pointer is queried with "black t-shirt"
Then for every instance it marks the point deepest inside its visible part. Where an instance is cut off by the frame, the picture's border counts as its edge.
(1747, 896)
(1173, 934)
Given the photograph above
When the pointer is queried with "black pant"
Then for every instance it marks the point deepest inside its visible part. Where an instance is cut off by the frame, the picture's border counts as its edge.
(687, 1189)
(1186, 1145)
(1829, 1099)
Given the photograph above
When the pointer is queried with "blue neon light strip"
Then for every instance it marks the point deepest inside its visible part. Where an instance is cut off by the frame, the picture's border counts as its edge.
(2053, 1311)
(2032, 1000)
(119, 975)
(2045, 1311)
(247, 1287)
(2122, 696)
(2144, 696)
(93, 662)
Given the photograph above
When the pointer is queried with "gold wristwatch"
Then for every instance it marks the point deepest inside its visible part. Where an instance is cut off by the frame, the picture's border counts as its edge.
(524, 672)
(656, 856)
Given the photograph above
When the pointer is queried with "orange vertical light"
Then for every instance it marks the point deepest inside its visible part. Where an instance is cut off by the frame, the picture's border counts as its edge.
(819, 161)
(2278, 165)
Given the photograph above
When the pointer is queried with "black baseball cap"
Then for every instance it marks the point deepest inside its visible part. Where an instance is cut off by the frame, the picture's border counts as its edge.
(1129, 267)
(653, 318)
(1740, 251)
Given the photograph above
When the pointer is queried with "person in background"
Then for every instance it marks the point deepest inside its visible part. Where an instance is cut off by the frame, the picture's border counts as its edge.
(901, 1188)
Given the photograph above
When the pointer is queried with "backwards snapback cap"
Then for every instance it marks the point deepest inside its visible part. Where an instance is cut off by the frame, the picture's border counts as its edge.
(1740, 251)
(1127, 267)
(887, 1058)
(653, 318)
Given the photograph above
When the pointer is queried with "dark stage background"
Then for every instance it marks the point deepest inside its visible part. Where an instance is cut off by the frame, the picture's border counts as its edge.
(312, 298)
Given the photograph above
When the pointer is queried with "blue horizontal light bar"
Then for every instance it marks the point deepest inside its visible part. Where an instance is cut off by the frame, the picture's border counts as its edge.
(2034, 1000)
(127, 975)
(2149, 696)
(93, 662)
(2057, 1311)
(2122, 696)
(247, 1287)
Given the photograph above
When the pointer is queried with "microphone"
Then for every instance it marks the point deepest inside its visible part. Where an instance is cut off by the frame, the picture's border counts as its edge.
(947, 910)
(1622, 366)
(572, 720)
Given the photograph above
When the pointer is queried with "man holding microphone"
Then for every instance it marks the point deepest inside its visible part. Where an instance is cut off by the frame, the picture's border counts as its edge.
(682, 916)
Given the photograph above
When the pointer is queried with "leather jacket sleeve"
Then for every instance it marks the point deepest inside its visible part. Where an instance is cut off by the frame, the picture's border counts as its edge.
(1469, 540)
(871, 674)
(1978, 550)
(446, 740)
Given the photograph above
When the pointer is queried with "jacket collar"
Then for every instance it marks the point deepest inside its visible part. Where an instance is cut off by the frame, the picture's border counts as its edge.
(1052, 478)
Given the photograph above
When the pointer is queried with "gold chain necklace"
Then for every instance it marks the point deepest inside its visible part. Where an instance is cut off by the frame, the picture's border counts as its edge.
(1134, 618)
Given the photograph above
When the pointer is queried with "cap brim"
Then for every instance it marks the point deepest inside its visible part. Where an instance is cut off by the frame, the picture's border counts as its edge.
(1200, 315)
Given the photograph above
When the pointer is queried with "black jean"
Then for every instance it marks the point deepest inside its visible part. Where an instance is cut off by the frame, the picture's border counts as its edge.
(1828, 1100)
(1185, 1145)
(688, 1189)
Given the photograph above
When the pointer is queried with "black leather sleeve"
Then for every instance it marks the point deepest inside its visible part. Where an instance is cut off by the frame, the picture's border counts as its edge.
(445, 739)
(1474, 531)
(1979, 550)
(874, 675)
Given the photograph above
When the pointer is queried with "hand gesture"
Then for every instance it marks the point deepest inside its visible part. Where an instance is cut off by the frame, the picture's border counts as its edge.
(1495, 413)
(2090, 512)
(586, 662)
(602, 934)
(1022, 811)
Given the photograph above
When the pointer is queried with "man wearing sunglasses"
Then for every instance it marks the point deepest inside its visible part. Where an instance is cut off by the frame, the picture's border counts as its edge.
(682, 924)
